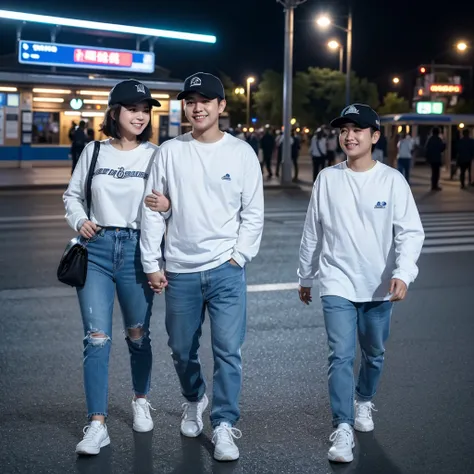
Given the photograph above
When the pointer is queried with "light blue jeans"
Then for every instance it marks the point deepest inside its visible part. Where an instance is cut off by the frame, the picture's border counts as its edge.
(114, 264)
(222, 291)
(345, 320)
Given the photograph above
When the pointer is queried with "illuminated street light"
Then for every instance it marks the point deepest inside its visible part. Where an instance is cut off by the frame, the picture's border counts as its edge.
(396, 80)
(323, 21)
(293, 121)
(461, 46)
(240, 91)
(334, 45)
(250, 80)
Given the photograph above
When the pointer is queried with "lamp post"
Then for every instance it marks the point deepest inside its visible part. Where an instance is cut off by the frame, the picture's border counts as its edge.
(324, 21)
(250, 80)
(336, 45)
(289, 8)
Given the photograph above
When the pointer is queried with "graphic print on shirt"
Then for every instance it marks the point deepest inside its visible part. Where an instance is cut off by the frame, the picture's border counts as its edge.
(380, 205)
(226, 177)
(120, 173)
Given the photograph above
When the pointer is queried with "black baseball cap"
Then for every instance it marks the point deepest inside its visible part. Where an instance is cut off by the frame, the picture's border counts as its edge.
(205, 84)
(360, 114)
(131, 92)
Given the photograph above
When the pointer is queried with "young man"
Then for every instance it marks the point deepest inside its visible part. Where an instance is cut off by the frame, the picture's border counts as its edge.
(214, 182)
(364, 247)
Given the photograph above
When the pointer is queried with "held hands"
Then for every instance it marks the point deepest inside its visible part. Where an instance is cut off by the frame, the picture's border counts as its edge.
(88, 229)
(305, 295)
(157, 282)
(157, 202)
(398, 290)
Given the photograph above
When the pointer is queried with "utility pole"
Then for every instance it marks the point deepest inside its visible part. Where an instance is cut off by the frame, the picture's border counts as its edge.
(289, 8)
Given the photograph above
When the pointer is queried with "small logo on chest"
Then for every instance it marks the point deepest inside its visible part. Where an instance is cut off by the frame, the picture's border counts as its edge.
(380, 205)
(226, 177)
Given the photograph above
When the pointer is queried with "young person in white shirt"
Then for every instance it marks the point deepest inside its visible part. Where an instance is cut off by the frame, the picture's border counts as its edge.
(214, 182)
(363, 249)
(112, 236)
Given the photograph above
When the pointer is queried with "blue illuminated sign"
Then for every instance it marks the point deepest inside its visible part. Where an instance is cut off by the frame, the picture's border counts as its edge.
(3, 97)
(68, 55)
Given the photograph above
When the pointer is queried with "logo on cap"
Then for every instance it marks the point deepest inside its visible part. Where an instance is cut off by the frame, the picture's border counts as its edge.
(140, 88)
(351, 110)
(195, 81)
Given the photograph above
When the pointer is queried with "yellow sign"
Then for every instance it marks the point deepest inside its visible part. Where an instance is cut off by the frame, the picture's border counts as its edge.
(446, 88)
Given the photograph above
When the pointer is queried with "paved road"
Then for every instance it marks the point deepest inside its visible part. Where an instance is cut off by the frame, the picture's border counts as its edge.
(425, 400)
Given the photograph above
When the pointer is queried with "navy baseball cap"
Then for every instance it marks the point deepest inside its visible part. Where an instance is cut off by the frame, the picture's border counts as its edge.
(203, 83)
(360, 114)
(131, 92)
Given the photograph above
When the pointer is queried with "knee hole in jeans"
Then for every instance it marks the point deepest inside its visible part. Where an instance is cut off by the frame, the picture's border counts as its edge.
(97, 338)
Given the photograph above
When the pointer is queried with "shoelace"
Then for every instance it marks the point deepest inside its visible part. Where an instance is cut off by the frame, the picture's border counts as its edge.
(227, 433)
(340, 437)
(90, 431)
(191, 409)
(144, 408)
(365, 410)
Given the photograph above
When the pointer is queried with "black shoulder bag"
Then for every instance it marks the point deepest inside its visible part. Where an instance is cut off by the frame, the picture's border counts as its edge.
(72, 269)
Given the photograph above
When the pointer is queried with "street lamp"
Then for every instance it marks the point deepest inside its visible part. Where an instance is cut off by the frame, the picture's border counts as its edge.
(289, 8)
(396, 80)
(250, 80)
(239, 91)
(324, 21)
(333, 44)
(461, 46)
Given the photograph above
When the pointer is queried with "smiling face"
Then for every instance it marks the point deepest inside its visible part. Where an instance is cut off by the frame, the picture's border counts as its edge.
(357, 142)
(133, 119)
(203, 113)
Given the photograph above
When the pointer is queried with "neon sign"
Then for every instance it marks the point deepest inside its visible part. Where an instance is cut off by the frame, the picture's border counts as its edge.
(67, 55)
(446, 88)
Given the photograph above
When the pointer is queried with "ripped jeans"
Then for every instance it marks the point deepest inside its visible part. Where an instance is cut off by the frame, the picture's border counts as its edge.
(114, 264)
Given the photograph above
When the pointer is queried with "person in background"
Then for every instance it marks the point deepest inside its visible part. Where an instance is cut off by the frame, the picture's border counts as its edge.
(79, 141)
(331, 147)
(404, 156)
(267, 144)
(465, 156)
(254, 142)
(295, 153)
(318, 151)
(279, 144)
(380, 149)
(434, 149)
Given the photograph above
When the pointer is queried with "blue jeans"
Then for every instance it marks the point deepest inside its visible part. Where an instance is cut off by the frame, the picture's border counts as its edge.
(344, 320)
(114, 264)
(222, 291)
(404, 166)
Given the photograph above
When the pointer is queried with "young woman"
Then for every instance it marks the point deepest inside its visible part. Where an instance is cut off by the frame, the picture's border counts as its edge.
(112, 236)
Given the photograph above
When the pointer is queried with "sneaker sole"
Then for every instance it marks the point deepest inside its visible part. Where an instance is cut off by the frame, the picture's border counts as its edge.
(143, 430)
(200, 431)
(92, 452)
(362, 428)
(226, 457)
(341, 458)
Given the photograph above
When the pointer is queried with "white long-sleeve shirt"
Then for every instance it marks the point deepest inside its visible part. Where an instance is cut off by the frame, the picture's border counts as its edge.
(117, 188)
(216, 194)
(313, 148)
(361, 230)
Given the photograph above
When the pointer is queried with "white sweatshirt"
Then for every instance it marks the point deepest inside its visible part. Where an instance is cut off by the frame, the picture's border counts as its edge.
(216, 194)
(361, 230)
(118, 186)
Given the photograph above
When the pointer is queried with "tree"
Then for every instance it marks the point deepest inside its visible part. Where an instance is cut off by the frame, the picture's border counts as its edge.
(393, 104)
(236, 103)
(268, 99)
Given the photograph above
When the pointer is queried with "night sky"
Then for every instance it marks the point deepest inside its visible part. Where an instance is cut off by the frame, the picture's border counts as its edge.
(390, 38)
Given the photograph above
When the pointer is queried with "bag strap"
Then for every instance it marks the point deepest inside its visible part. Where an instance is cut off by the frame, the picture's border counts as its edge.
(90, 175)
(319, 149)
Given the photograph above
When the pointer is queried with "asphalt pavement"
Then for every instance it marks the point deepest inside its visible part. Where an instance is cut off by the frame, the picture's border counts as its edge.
(425, 401)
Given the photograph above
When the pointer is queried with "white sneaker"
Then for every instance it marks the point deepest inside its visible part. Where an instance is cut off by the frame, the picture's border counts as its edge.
(95, 437)
(342, 443)
(142, 420)
(191, 423)
(223, 440)
(363, 416)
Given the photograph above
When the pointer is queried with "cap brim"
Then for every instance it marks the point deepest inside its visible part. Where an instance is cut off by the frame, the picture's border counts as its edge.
(149, 100)
(203, 92)
(340, 121)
